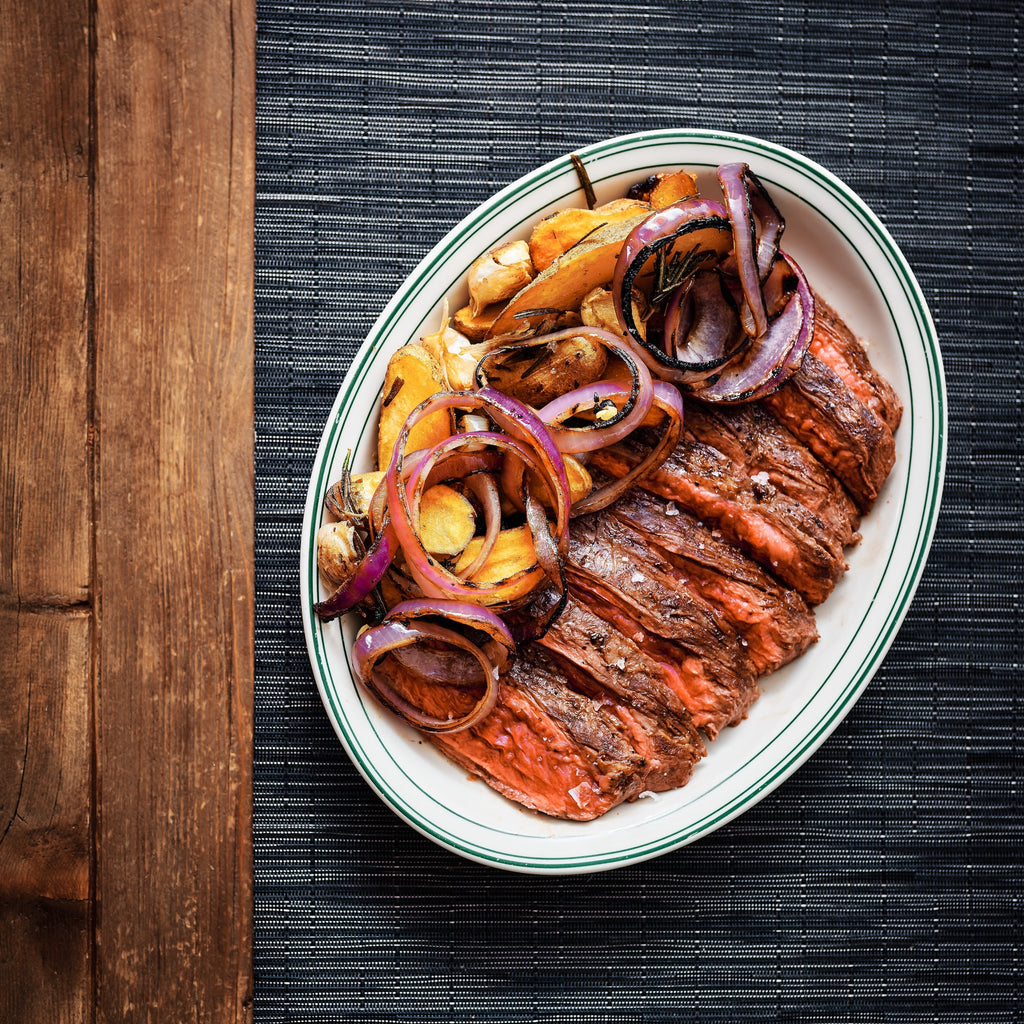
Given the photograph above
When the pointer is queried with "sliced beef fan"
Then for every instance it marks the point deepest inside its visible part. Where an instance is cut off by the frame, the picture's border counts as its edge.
(683, 594)
(774, 622)
(703, 659)
(776, 461)
(776, 531)
(602, 662)
(548, 747)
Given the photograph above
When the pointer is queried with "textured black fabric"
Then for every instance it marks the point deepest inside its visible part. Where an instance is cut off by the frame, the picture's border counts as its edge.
(884, 880)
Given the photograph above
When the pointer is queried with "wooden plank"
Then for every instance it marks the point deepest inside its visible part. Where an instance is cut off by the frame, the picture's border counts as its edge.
(45, 487)
(175, 501)
(45, 966)
(45, 514)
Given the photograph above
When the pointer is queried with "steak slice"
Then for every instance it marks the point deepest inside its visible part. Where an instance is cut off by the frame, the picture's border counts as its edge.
(548, 747)
(835, 344)
(621, 578)
(774, 458)
(772, 528)
(845, 435)
(773, 621)
(600, 661)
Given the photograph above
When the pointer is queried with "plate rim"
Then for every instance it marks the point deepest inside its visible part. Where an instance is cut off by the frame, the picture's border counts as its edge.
(780, 769)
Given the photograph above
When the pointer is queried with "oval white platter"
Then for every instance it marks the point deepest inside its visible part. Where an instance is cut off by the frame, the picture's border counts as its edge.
(850, 258)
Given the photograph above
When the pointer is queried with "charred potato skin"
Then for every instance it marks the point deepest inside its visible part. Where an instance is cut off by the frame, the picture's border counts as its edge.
(589, 264)
(528, 377)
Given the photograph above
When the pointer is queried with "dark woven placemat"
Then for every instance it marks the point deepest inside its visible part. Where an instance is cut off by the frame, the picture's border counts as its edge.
(883, 881)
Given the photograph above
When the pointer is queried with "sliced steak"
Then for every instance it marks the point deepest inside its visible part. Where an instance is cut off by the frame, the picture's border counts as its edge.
(613, 570)
(548, 747)
(844, 434)
(774, 458)
(773, 621)
(835, 344)
(603, 663)
(773, 529)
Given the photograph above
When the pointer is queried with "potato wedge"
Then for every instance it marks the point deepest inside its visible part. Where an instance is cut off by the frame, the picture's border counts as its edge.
(558, 233)
(363, 487)
(564, 284)
(412, 376)
(598, 310)
(447, 520)
(512, 558)
(536, 376)
(661, 190)
(580, 482)
(476, 325)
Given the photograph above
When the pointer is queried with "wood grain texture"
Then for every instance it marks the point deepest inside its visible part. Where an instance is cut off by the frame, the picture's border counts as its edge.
(45, 960)
(126, 510)
(174, 521)
(45, 514)
(44, 223)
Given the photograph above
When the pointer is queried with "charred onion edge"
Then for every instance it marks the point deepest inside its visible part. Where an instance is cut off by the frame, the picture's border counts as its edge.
(434, 579)
(662, 228)
(500, 645)
(776, 355)
(572, 440)
(668, 399)
(735, 191)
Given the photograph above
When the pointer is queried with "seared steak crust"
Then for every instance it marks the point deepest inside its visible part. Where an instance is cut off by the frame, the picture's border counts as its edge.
(781, 534)
(774, 458)
(834, 343)
(603, 663)
(774, 622)
(548, 747)
(845, 435)
(624, 581)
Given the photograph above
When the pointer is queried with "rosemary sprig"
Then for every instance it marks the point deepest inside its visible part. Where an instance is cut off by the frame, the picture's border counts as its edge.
(671, 269)
(585, 182)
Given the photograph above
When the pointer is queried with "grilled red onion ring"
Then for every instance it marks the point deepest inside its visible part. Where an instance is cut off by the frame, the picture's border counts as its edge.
(533, 448)
(704, 346)
(688, 236)
(764, 366)
(666, 398)
(757, 227)
(392, 634)
(453, 667)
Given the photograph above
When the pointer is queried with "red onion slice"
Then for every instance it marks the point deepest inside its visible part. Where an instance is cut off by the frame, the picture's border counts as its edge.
(367, 575)
(769, 224)
(486, 490)
(668, 399)
(376, 642)
(435, 579)
(758, 371)
(572, 440)
(500, 646)
(733, 179)
(714, 334)
(795, 356)
(691, 235)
